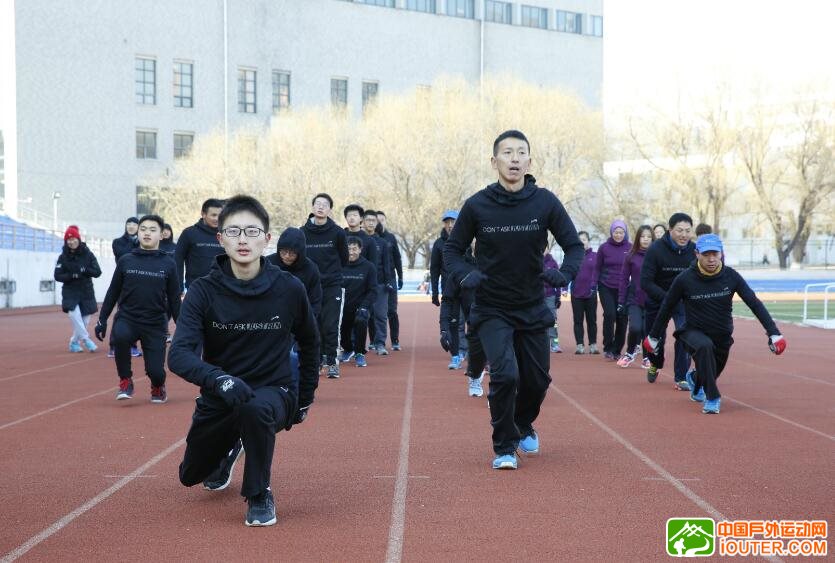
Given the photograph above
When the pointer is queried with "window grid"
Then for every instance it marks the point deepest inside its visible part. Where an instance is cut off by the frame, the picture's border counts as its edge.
(281, 90)
(146, 145)
(183, 85)
(427, 6)
(339, 92)
(246, 91)
(182, 144)
(569, 22)
(146, 81)
(597, 26)
(460, 8)
(533, 16)
(499, 12)
(369, 93)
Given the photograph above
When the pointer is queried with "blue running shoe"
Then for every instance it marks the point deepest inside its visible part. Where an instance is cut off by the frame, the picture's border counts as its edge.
(455, 363)
(712, 406)
(694, 396)
(90, 345)
(135, 352)
(529, 445)
(75, 347)
(506, 461)
(360, 360)
(345, 357)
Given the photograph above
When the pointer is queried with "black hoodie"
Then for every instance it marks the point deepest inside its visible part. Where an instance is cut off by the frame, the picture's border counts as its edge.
(359, 278)
(75, 270)
(196, 250)
(124, 244)
(168, 245)
(369, 250)
(663, 261)
(144, 284)
(708, 303)
(327, 247)
(245, 328)
(511, 229)
(303, 268)
(436, 262)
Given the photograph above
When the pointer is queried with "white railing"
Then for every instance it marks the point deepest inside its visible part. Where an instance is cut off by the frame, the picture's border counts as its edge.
(826, 287)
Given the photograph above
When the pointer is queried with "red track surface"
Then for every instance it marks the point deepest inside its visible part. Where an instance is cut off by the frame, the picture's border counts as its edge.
(393, 463)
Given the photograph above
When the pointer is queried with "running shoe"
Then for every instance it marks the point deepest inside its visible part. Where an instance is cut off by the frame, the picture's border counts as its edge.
(682, 386)
(455, 363)
(381, 350)
(359, 359)
(652, 373)
(474, 386)
(645, 363)
(506, 461)
(158, 394)
(345, 357)
(90, 345)
(712, 406)
(694, 396)
(333, 371)
(75, 347)
(529, 445)
(593, 349)
(125, 389)
(626, 360)
(580, 349)
(261, 509)
(111, 353)
(395, 346)
(135, 352)
(220, 478)
(555, 346)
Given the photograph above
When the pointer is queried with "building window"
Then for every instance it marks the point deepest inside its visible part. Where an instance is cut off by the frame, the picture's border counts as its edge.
(385, 3)
(281, 90)
(569, 22)
(146, 81)
(535, 17)
(182, 144)
(460, 8)
(597, 26)
(339, 92)
(499, 12)
(183, 85)
(421, 5)
(246, 91)
(369, 93)
(146, 144)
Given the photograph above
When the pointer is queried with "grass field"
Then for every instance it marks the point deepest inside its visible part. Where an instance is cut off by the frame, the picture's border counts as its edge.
(791, 310)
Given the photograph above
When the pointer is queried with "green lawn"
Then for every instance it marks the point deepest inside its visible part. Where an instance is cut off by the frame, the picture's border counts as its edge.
(788, 310)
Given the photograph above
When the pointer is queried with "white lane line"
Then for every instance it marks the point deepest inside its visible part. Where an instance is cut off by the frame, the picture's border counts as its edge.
(663, 473)
(775, 416)
(60, 524)
(394, 551)
(50, 368)
(57, 407)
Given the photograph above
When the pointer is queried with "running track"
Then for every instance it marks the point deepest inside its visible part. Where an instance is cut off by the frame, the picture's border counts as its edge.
(393, 463)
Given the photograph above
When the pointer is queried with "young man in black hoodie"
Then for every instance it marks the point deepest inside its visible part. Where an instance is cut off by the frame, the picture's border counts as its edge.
(244, 316)
(145, 286)
(291, 256)
(707, 288)
(326, 246)
(510, 221)
(167, 243)
(378, 326)
(129, 239)
(665, 259)
(395, 279)
(450, 321)
(359, 278)
(353, 218)
(198, 245)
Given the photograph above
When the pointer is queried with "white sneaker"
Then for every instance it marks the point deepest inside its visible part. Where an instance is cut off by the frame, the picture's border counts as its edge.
(475, 389)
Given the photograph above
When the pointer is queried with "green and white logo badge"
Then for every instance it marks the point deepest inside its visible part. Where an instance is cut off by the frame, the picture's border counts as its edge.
(691, 537)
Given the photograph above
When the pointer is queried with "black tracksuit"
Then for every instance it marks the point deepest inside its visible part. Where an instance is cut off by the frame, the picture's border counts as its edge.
(327, 247)
(378, 326)
(394, 277)
(196, 251)
(145, 286)
(75, 270)
(708, 327)
(664, 261)
(369, 251)
(245, 329)
(456, 303)
(509, 313)
(359, 278)
(303, 268)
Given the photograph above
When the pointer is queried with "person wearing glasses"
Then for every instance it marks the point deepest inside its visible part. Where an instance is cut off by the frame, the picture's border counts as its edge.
(244, 315)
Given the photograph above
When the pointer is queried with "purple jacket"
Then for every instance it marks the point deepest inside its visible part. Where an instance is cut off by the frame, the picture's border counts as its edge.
(631, 271)
(586, 279)
(610, 257)
(549, 263)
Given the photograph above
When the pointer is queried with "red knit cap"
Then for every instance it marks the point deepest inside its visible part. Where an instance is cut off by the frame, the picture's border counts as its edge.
(72, 232)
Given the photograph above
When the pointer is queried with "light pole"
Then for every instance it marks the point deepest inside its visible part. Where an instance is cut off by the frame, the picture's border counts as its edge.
(55, 197)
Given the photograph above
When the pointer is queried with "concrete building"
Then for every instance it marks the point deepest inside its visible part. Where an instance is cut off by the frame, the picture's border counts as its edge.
(98, 95)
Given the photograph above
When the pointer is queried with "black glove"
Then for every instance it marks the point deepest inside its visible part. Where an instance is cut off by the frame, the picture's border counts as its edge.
(301, 415)
(435, 301)
(445, 341)
(362, 315)
(101, 330)
(473, 279)
(232, 390)
(400, 284)
(553, 277)
(621, 310)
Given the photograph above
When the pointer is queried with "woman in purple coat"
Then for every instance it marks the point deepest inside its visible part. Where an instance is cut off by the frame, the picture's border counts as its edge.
(610, 257)
(552, 299)
(584, 298)
(631, 298)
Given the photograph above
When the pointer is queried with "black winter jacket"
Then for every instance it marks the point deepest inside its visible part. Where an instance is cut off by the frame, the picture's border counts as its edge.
(124, 244)
(303, 268)
(196, 251)
(327, 247)
(75, 269)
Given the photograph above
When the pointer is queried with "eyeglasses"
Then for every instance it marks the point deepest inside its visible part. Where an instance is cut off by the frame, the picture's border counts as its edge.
(250, 232)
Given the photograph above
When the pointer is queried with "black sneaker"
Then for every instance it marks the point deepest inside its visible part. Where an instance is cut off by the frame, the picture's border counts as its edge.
(222, 476)
(652, 373)
(395, 346)
(333, 371)
(125, 389)
(261, 510)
